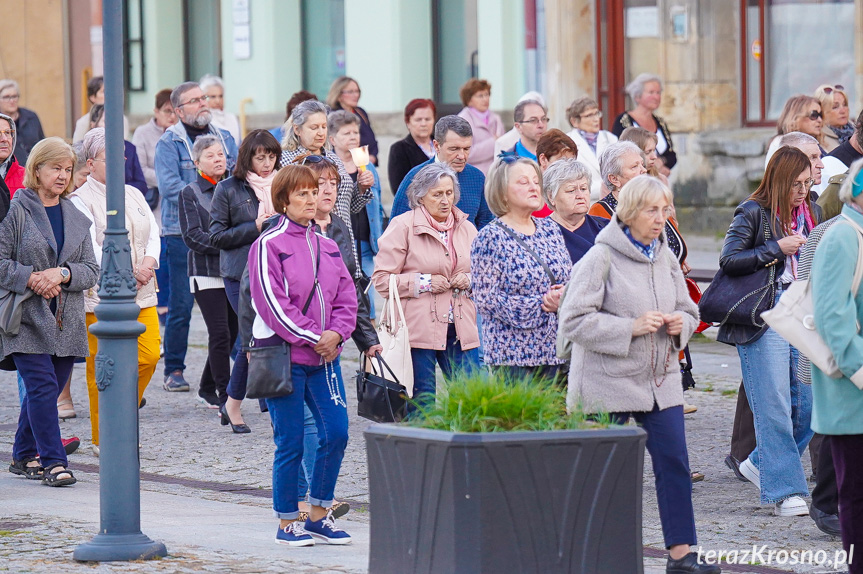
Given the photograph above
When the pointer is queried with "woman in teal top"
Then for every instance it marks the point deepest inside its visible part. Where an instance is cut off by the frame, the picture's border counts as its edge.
(838, 403)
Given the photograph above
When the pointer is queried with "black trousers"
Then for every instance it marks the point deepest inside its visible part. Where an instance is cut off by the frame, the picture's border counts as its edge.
(222, 329)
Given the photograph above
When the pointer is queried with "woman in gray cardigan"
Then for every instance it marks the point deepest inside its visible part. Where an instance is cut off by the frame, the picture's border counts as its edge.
(628, 313)
(55, 261)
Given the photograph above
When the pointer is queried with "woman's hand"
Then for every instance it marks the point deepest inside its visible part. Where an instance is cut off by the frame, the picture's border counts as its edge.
(46, 283)
(328, 345)
(370, 352)
(439, 284)
(790, 244)
(259, 222)
(144, 272)
(551, 300)
(365, 179)
(650, 322)
(460, 281)
(673, 324)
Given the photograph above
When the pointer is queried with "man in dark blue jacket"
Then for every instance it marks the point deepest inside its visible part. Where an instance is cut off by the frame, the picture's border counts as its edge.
(453, 138)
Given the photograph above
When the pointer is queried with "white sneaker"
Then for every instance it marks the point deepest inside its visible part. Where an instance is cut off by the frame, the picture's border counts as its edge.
(794, 506)
(95, 448)
(751, 473)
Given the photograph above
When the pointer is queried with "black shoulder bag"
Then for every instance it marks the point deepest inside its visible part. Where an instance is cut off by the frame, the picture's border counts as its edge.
(530, 250)
(270, 367)
(379, 399)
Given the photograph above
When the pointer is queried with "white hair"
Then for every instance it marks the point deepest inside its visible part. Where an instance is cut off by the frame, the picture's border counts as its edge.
(210, 80)
(636, 87)
(611, 161)
(559, 174)
(94, 143)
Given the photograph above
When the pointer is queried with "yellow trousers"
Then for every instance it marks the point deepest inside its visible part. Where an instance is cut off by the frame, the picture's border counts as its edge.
(148, 356)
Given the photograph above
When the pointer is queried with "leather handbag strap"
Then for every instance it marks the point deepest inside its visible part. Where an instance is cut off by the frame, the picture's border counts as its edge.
(529, 249)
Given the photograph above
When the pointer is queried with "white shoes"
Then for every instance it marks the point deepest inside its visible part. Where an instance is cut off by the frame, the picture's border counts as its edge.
(751, 473)
(794, 506)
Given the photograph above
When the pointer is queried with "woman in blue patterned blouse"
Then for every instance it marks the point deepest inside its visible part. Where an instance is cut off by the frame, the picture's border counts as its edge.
(519, 265)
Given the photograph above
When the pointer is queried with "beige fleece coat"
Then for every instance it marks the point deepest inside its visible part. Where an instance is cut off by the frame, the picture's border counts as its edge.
(610, 287)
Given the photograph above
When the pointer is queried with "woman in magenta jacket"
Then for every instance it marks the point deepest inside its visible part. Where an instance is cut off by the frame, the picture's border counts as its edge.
(303, 295)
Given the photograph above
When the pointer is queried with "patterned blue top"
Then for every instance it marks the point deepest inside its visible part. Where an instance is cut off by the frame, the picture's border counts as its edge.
(508, 286)
(471, 183)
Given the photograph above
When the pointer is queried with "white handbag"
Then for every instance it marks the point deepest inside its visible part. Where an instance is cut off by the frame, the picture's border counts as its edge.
(794, 319)
(394, 338)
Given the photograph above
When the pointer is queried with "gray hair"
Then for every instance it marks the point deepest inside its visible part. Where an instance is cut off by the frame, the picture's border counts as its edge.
(180, 90)
(9, 83)
(299, 116)
(611, 161)
(94, 143)
(210, 80)
(518, 113)
(796, 139)
(637, 193)
(559, 174)
(339, 119)
(848, 185)
(636, 87)
(427, 178)
(455, 124)
(203, 143)
(81, 159)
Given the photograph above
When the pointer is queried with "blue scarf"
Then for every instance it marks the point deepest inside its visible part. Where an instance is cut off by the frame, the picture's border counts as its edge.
(648, 250)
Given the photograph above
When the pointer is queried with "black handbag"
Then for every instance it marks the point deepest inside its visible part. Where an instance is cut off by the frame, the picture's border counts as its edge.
(269, 374)
(740, 299)
(686, 378)
(378, 399)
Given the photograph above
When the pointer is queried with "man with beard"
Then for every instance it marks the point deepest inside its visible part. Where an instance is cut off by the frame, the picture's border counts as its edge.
(174, 171)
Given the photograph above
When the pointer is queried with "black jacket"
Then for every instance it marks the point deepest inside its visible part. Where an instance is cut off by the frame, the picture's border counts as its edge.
(232, 225)
(747, 250)
(624, 121)
(195, 201)
(29, 132)
(405, 155)
(364, 334)
(5, 199)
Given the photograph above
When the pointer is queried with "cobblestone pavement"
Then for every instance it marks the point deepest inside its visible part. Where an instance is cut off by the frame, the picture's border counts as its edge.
(183, 440)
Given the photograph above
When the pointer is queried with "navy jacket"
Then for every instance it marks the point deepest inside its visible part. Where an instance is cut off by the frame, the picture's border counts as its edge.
(29, 132)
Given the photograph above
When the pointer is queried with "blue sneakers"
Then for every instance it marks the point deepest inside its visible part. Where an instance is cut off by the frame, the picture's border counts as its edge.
(326, 530)
(294, 535)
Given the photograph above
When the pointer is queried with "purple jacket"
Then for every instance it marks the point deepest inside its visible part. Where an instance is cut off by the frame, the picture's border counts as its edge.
(281, 276)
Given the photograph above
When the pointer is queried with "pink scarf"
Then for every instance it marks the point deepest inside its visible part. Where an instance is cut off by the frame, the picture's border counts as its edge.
(484, 116)
(262, 187)
(448, 226)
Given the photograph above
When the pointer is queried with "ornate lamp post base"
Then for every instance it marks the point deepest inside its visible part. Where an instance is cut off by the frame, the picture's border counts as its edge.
(114, 547)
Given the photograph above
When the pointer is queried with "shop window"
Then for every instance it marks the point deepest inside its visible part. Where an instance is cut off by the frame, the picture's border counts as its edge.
(323, 44)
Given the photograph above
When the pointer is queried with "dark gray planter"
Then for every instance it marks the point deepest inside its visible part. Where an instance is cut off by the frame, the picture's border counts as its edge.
(525, 502)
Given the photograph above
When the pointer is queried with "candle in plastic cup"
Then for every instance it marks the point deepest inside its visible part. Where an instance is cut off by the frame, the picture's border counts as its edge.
(360, 155)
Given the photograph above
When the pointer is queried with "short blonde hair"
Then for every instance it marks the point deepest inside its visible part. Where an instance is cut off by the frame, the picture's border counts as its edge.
(49, 150)
(826, 94)
(637, 193)
(498, 181)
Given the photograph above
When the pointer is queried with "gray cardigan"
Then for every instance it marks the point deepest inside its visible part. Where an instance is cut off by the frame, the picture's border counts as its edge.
(610, 287)
(39, 331)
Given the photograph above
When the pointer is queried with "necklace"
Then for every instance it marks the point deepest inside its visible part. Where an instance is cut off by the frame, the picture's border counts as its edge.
(653, 349)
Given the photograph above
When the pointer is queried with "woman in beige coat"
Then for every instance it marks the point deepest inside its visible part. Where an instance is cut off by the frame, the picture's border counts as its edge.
(144, 240)
(428, 250)
(628, 313)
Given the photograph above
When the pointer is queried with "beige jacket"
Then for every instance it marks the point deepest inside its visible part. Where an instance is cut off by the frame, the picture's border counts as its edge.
(143, 234)
(610, 287)
(411, 247)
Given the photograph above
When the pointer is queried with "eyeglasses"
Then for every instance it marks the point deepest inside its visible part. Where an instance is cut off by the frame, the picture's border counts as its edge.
(10, 98)
(534, 121)
(9, 134)
(597, 114)
(838, 87)
(195, 101)
(351, 92)
(814, 115)
(798, 186)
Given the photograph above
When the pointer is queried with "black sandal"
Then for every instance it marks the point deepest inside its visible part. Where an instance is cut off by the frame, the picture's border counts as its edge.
(20, 468)
(52, 478)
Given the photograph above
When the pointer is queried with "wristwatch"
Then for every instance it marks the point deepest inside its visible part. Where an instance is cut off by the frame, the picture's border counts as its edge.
(65, 273)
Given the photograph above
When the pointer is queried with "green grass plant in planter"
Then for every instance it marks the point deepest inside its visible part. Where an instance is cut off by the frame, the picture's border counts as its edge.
(496, 476)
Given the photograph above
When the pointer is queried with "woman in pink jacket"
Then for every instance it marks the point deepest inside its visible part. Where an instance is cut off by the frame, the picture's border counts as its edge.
(428, 249)
(303, 295)
(486, 125)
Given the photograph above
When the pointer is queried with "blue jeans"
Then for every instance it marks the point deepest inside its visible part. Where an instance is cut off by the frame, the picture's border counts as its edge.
(368, 266)
(310, 445)
(240, 372)
(163, 276)
(179, 305)
(450, 359)
(666, 443)
(22, 390)
(781, 409)
(38, 431)
(322, 389)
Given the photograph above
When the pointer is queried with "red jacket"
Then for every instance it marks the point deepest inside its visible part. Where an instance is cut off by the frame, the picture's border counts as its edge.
(14, 177)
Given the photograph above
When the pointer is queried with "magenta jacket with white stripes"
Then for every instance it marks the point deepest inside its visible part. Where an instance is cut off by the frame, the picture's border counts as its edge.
(282, 265)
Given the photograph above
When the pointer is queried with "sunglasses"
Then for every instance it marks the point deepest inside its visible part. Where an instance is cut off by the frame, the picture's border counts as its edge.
(318, 159)
(814, 115)
(837, 87)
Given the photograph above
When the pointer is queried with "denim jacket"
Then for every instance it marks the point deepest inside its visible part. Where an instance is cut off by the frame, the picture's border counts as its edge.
(375, 211)
(175, 169)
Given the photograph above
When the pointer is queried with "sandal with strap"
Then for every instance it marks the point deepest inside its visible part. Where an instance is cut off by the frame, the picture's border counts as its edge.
(53, 478)
(20, 468)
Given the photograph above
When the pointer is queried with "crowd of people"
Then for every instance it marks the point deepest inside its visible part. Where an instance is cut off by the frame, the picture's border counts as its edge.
(501, 245)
